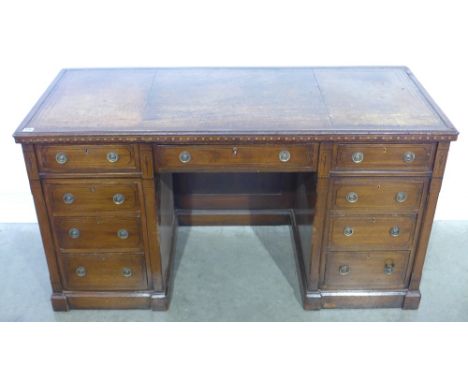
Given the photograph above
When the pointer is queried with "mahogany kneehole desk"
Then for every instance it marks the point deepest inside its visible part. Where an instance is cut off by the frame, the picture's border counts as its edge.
(351, 158)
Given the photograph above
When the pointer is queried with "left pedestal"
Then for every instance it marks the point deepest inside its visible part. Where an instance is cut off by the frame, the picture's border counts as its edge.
(97, 208)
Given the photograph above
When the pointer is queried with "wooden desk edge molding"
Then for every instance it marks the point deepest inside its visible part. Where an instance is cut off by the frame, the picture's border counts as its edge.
(351, 157)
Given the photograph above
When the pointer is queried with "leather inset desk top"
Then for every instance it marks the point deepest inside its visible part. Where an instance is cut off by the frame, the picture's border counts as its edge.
(235, 101)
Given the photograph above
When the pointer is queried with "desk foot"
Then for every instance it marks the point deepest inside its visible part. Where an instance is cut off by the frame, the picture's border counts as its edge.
(412, 299)
(312, 301)
(159, 302)
(59, 302)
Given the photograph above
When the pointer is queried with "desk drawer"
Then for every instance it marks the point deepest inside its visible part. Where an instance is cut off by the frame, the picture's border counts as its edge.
(359, 233)
(377, 193)
(104, 271)
(87, 158)
(225, 157)
(111, 234)
(80, 197)
(366, 270)
(384, 157)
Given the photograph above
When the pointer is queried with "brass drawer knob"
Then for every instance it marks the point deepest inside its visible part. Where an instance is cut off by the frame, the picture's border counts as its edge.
(127, 272)
(122, 234)
(389, 267)
(68, 198)
(284, 155)
(395, 231)
(344, 269)
(61, 158)
(112, 157)
(352, 197)
(358, 157)
(80, 271)
(118, 198)
(348, 231)
(401, 197)
(74, 233)
(409, 156)
(185, 157)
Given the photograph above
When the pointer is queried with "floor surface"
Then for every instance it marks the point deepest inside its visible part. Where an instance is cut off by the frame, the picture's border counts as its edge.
(233, 274)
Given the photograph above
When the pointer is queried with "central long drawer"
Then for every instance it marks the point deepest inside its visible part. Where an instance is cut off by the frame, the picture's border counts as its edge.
(232, 157)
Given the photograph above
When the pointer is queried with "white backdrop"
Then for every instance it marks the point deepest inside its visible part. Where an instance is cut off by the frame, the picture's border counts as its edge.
(38, 38)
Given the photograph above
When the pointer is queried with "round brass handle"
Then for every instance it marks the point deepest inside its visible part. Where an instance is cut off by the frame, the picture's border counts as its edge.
(401, 197)
(409, 156)
(284, 155)
(68, 198)
(358, 157)
(80, 271)
(118, 198)
(389, 267)
(127, 272)
(352, 197)
(122, 234)
(74, 233)
(185, 157)
(344, 269)
(61, 158)
(395, 231)
(112, 156)
(348, 231)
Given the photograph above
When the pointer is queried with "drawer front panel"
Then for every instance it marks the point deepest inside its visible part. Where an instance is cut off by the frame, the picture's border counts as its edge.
(103, 271)
(92, 197)
(371, 233)
(377, 193)
(223, 157)
(366, 270)
(87, 158)
(381, 157)
(100, 233)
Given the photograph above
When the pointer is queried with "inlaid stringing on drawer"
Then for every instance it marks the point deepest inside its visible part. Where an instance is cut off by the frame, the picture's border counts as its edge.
(357, 233)
(92, 197)
(87, 158)
(361, 270)
(112, 234)
(377, 193)
(383, 157)
(103, 271)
